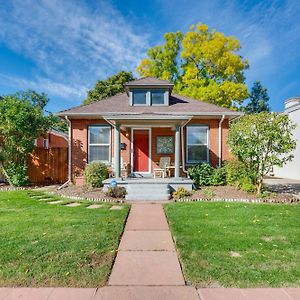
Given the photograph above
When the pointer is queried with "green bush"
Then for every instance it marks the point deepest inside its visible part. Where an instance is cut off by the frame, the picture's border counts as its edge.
(205, 174)
(180, 193)
(116, 192)
(95, 173)
(246, 185)
(201, 174)
(218, 177)
(16, 175)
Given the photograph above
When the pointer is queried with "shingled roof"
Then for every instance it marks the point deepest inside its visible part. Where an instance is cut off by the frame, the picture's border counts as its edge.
(148, 81)
(119, 105)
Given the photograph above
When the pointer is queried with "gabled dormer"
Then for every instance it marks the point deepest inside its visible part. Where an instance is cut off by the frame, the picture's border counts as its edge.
(149, 91)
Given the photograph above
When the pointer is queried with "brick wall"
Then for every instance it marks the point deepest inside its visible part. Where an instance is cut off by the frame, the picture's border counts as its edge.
(80, 140)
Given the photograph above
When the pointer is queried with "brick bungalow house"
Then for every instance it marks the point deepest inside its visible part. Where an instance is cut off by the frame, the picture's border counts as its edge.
(133, 130)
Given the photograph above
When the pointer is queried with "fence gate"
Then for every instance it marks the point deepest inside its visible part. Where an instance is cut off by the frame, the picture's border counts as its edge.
(48, 165)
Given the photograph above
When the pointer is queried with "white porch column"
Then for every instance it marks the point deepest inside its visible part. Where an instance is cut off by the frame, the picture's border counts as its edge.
(177, 151)
(117, 151)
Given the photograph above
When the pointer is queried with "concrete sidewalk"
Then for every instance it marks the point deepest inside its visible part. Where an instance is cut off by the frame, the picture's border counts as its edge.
(147, 268)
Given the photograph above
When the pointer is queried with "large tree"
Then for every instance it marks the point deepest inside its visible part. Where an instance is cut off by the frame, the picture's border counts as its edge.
(202, 63)
(258, 100)
(22, 120)
(260, 142)
(108, 87)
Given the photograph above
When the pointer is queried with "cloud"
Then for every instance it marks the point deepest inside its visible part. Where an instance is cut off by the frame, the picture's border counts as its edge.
(72, 44)
(46, 85)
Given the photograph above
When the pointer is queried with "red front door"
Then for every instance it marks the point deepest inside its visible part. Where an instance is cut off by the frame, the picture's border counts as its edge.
(140, 150)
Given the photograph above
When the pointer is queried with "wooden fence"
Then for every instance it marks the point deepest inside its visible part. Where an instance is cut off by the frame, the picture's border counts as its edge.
(47, 166)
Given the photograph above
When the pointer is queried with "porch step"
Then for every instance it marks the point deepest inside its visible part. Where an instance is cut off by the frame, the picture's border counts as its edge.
(148, 192)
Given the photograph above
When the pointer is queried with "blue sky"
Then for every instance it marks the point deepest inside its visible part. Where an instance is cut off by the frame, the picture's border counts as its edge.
(63, 47)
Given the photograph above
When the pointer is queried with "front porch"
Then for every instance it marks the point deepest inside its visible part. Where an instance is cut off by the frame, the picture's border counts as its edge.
(150, 189)
(140, 146)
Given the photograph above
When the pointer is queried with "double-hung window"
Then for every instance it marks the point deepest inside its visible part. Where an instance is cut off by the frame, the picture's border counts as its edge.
(99, 143)
(197, 144)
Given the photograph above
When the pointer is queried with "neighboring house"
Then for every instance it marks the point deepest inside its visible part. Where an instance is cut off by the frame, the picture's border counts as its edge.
(292, 169)
(135, 129)
(52, 139)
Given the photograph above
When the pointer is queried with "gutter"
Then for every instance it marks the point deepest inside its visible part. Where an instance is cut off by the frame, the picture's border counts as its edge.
(182, 146)
(69, 154)
(220, 140)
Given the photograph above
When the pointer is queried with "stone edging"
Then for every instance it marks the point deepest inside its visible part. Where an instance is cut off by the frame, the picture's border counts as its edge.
(236, 200)
(88, 199)
(13, 188)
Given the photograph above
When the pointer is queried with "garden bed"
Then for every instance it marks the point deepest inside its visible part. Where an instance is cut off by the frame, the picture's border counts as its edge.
(230, 192)
(84, 192)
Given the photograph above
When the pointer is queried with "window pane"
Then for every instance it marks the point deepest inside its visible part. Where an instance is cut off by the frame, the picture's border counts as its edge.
(139, 97)
(100, 153)
(99, 135)
(197, 153)
(197, 135)
(157, 97)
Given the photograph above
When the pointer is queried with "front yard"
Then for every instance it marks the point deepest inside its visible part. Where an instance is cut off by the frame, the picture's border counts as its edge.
(237, 244)
(55, 245)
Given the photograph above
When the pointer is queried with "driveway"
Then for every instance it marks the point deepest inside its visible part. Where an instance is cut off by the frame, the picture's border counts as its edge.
(282, 185)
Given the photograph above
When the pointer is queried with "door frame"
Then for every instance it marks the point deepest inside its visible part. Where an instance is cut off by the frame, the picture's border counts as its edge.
(131, 150)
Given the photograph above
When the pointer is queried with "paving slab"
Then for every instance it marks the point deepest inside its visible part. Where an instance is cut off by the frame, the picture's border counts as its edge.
(72, 294)
(25, 293)
(74, 204)
(147, 217)
(116, 207)
(293, 292)
(55, 202)
(95, 206)
(265, 294)
(220, 294)
(147, 241)
(146, 268)
(147, 293)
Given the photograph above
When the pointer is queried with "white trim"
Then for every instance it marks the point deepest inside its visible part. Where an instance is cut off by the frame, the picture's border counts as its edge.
(150, 152)
(101, 144)
(189, 162)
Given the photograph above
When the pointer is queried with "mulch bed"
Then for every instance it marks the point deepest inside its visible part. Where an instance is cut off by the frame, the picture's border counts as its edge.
(81, 191)
(230, 192)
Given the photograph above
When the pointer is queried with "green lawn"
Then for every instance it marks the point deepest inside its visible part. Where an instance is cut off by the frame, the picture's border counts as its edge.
(237, 244)
(54, 245)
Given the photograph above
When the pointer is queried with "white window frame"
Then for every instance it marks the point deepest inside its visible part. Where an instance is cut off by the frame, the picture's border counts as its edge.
(207, 144)
(107, 162)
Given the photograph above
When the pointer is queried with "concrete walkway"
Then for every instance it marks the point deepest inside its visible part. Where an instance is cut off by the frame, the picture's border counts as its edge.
(147, 268)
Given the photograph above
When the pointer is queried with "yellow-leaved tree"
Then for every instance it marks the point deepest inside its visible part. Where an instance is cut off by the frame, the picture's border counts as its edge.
(203, 64)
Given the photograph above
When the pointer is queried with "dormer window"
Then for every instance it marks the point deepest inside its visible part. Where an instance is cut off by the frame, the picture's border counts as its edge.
(157, 97)
(149, 97)
(139, 97)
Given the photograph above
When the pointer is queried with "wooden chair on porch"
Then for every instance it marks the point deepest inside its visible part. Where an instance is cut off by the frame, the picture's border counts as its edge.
(164, 163)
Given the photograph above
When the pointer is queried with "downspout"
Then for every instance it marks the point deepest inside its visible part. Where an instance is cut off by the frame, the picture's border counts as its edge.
(220, 140)
(69, 153)
(182, 146)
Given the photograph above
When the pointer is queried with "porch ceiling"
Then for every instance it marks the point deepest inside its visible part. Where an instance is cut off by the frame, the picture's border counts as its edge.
(150, 122)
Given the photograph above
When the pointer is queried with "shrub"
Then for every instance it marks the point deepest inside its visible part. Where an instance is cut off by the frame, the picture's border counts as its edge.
(116, 192)
(201, 174)
(16, 175)
(180, 193)
(204, 174)
(218, 177)
(95, 173)
(234, 171)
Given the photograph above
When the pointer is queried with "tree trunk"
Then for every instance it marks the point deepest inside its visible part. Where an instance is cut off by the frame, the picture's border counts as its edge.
(259, 185)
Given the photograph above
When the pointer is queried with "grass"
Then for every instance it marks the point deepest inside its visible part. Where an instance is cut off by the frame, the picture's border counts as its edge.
(55, 245)
(237, 244)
